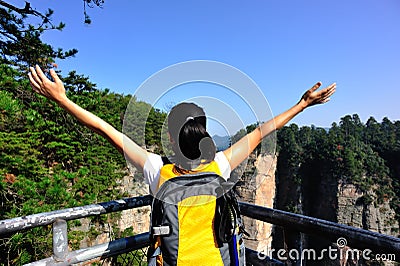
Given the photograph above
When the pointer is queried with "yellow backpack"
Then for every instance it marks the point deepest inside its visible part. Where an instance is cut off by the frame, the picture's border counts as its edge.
(195, 220)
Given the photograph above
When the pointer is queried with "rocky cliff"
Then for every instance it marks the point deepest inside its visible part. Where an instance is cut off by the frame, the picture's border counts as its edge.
(114, 226)
(257, 185)
(313, 191)
(353, 209)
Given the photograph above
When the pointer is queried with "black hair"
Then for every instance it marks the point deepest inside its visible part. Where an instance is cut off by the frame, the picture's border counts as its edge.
(193, 145)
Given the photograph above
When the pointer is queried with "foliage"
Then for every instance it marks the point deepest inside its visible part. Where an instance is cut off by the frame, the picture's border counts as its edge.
(91, 4)
(365, 155)
(44, 19)
(20, 37)
(50, 161)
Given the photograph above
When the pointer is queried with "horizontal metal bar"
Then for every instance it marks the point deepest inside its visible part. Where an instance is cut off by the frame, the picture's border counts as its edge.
(28, 222)
(126, 245)
(356, 237)
(102, 251)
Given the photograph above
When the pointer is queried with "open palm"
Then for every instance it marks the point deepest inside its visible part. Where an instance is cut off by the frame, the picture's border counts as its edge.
(313, 97)
(53, 90)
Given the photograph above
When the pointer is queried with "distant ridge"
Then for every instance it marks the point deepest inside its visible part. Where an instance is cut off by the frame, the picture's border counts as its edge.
(221, 142)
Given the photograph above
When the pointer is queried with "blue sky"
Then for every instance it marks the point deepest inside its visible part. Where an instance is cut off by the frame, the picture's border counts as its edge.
(283, 46)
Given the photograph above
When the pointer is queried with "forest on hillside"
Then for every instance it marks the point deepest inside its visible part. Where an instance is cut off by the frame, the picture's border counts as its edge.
(49, 161)
(366, 155)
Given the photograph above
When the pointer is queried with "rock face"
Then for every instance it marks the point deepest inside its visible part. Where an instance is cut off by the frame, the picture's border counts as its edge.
(139, 218)
(353, 210)
(257, 186)
(319, 194)
(136, 220)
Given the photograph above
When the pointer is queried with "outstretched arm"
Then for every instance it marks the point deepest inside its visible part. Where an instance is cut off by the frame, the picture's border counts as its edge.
(239, 151)
(55, 91)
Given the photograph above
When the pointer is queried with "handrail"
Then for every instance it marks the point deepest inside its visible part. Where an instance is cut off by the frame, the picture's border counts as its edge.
(359, 238)
(128, 244)
(45, 218)
(102, 251)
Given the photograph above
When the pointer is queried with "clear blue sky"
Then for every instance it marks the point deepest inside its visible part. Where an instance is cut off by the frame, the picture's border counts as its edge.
(284, 46)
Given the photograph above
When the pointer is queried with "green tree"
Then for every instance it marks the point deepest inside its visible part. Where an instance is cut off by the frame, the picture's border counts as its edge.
(20, 38)
(288, 165)
(48, 160)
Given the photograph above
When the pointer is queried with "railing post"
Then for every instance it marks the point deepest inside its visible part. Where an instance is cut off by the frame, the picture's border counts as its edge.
(60, 240)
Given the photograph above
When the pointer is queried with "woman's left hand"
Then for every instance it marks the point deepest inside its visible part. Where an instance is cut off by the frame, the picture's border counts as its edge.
(313, 97)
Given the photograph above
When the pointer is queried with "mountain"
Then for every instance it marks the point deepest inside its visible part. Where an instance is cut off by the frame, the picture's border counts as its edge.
(221, 142)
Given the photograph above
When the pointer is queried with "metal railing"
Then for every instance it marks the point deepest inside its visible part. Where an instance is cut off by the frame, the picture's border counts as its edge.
(58, 219)
(359, 238)
(46, 218)
(355, 237)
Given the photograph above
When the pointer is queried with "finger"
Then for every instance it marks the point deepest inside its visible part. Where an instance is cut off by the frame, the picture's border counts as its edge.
(34, 85)
(40, 73)
(36, 88)
(328, 90)
(329, 93)
(316, 86)
(333, 85)
(326, 100)
(35, 76)
(331, 89)
(55, 76)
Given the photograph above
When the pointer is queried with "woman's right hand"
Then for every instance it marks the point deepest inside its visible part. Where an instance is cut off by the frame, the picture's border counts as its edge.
(53, 90)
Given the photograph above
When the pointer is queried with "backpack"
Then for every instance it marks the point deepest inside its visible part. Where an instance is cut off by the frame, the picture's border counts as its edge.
(195, 220)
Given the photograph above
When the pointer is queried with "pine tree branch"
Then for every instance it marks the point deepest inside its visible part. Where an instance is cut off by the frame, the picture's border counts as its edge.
(27, 10)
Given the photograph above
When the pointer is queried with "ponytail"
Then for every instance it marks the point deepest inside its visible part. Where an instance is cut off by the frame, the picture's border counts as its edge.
(193, 144)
